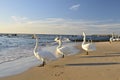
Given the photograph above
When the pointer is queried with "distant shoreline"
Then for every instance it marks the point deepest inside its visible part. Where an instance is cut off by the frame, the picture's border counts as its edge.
(77, 38)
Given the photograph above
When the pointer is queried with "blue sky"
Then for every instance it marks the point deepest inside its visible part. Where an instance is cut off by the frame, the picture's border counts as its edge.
(60, 16)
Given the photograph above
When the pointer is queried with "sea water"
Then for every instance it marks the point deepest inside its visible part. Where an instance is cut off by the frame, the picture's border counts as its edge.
(16, 54)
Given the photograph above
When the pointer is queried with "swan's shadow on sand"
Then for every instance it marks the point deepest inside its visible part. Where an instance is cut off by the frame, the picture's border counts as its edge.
(107, 55)
(97, 64)
(92, 64)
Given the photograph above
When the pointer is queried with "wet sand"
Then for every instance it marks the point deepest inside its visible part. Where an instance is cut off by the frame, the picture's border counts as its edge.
(102, 64)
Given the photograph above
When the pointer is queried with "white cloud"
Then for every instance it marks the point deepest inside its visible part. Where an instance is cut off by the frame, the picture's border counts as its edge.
(60, 26)
(75, 7)
(19, 19)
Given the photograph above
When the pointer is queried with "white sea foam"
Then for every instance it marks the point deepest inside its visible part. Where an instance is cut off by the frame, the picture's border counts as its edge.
(16, 54)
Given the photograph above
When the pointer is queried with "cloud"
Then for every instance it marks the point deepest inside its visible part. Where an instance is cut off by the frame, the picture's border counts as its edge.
(19, 19)
(61, 26)
(75, 7)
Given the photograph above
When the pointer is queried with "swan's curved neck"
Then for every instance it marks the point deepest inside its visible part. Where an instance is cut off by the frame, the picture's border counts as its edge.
(60, 43)
(112, 35)
(84, 39)
(36, 46)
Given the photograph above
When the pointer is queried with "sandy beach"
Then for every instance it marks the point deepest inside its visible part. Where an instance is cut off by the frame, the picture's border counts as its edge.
(102, 64)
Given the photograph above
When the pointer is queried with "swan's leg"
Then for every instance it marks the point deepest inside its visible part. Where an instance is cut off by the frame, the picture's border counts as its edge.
(87, 53)
(110, 42)
(63, 56)
(43, 64)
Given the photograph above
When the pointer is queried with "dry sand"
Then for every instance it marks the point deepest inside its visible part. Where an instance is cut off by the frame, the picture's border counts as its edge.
(102, 64)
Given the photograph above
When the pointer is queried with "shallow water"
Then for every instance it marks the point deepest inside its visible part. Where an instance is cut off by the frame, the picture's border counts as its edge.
(16, 54)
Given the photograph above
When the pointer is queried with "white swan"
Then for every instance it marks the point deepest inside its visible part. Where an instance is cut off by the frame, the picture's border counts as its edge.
(118, 38)
(112, 38)
(65, 50)
(45, 54)
(59, 49)
(87, 46)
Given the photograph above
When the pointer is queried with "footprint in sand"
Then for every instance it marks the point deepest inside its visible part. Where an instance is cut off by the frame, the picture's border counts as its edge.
(58, 74)
(58, 66)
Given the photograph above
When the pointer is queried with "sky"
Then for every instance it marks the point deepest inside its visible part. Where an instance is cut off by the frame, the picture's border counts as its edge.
(60, 16)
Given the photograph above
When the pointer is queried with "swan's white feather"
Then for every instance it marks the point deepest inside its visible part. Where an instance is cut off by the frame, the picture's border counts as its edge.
(65, 50)
(88, 46)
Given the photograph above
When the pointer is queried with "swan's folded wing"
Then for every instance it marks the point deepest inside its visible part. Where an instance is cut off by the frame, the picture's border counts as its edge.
(69, 50)
(48, 56)
(92, 47)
